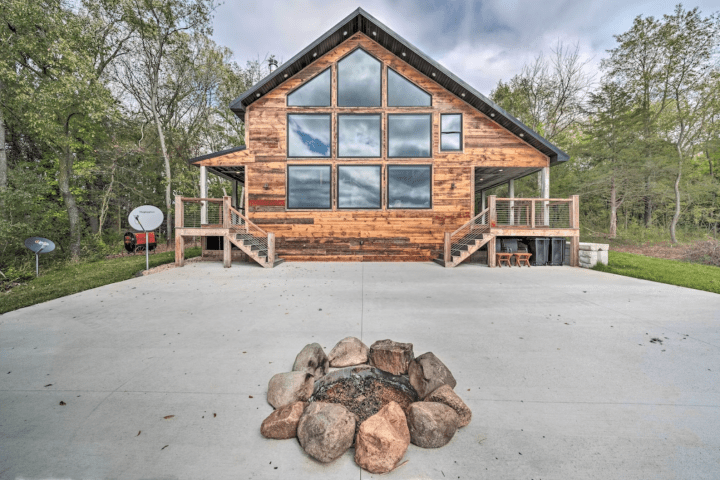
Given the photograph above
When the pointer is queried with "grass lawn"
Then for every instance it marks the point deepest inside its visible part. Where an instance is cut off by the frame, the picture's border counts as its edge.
(674, 272)
(73, 278)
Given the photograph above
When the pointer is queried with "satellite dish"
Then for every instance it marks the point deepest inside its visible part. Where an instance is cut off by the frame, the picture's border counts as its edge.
(145, 218)
(40, 245)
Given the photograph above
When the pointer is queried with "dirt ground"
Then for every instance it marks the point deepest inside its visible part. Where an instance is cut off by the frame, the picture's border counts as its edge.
(660, 250)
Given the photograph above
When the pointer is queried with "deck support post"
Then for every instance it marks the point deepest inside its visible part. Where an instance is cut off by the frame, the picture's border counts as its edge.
(575, 223)
(447, 254)
(271, 248)
(511, 194)
(491, 252)
(203, 194)
(227, 251)
(492, 210)
(179, 240)
(234, 193)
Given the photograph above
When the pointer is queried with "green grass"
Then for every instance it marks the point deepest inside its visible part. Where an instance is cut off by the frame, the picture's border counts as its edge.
(70, 278)
(673, 272)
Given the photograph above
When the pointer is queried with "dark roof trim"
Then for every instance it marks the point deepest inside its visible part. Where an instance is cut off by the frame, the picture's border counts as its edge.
(217, 154)
(361, 21)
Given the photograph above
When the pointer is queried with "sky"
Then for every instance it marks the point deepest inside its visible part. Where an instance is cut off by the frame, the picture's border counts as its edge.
(479, 41)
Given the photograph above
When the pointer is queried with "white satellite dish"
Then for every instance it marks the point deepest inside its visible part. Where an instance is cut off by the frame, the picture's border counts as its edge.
(146, 218)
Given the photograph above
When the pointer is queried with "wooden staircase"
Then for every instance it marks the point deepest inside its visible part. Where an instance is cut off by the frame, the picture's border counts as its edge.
(254, 247)
(465, 241)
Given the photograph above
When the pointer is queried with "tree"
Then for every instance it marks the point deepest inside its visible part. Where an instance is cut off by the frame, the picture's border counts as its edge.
(154, 76)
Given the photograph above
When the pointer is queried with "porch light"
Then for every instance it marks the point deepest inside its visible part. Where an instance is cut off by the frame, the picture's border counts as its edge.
(266, 187)
(500, 170)
(462, 94)
(285, 75)
(522, 135)
(257, 95)
(344, 33)
(404, 54)
(374, 34)
(315, 54)
(492, 114)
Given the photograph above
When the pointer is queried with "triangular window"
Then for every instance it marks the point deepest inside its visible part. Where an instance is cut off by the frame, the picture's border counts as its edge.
(359, 80)
(314, 93)
(403, 93)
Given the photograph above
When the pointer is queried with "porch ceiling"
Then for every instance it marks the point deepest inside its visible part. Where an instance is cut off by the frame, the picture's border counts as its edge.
(489, 177)
(229, 173)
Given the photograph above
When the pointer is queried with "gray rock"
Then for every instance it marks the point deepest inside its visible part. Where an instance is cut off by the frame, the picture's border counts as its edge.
(427, 373)
(446, 395)
(431, 424)
(382, 440)
(282, 423)
(326, 430)
(285, 388)
(312, 359)
(391, 357)
(348, 352)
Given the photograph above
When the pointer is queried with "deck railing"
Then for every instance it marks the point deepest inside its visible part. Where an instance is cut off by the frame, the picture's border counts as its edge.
(220, 219)
(465, 235)
(534, 212)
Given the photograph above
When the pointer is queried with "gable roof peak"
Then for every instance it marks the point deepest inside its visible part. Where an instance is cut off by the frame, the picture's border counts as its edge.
(361, 21)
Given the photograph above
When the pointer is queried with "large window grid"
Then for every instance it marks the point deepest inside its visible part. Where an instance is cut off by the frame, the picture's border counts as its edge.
(409, 135)
(309, 135)
(359, 135)
(409, 187)
(359, 187)
(309, 187)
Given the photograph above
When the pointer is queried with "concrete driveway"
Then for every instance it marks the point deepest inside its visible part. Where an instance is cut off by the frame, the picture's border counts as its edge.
(556, 363)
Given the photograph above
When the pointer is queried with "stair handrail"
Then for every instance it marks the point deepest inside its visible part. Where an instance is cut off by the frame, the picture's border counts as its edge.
(471, 221)
(232, 210)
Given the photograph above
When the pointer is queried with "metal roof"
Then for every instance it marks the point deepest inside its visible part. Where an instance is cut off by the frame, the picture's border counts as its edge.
(361, 21)
(228, 173)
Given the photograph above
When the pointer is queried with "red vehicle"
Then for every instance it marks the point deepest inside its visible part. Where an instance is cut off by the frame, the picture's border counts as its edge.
(135, 242)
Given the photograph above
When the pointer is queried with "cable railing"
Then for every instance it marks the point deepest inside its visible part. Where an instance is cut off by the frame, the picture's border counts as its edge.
(193, 215)
(465, 235)
(255, 238)
(533, 212)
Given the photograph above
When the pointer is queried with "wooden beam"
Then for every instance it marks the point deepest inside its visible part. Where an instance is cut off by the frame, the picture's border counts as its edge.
(227, 252)
(533, 232)
(271, 248)
(491, 252)
(492, 210)
(447, 253)
(179, 249)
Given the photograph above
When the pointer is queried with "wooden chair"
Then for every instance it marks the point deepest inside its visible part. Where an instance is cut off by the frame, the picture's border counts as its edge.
(522, 259)
(503, 257)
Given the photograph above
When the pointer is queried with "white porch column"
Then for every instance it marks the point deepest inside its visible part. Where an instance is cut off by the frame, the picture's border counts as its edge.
(545, 193)
(511, 194)
(483, 204)
(203, 194)
(234, 194)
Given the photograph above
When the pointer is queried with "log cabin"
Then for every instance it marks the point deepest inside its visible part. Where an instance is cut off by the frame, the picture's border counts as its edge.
(362, 148)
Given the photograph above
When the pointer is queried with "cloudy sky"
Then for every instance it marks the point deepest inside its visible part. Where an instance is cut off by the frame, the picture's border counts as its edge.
(480, 41)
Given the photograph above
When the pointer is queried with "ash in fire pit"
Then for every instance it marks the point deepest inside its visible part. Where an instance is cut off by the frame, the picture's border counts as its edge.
(380, 408)
(364, 391)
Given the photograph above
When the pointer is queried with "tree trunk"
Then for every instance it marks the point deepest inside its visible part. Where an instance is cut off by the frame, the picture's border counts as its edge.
(64, 174)
(648, 205)
(3, 155)
(613, 209)
(168, 171)
(676, 215)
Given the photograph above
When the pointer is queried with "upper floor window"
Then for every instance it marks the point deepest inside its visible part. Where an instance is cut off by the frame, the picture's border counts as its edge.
(314, 93)
(409, 186)
(451, 132)
(358, 135)
(409, 135)
(403, 93)
(359, 80)
(308, 135)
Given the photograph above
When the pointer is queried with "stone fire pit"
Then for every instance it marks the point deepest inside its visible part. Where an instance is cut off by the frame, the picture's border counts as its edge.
(379, 399)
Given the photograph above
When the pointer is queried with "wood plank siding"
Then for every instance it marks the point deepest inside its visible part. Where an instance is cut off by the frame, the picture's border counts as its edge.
(370, 235)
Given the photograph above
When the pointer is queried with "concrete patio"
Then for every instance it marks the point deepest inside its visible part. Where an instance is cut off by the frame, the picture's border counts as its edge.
(556, 364)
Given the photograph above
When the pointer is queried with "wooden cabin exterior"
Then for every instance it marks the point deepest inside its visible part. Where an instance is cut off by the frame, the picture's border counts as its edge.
(357, 174)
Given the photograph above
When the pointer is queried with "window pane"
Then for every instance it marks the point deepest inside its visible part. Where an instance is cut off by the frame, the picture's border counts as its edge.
(359, 186)
(359, 80)
(409, 135)
(315, 93)
(451, 123)
(359, 135)
(308, 186)
(403, 93)
(450, 141)
(308, 135)
(409, 186)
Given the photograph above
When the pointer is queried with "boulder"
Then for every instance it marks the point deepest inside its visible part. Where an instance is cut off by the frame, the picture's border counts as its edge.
(431, 424)
(326, 430)
(391, 357)
(427, 373)
(285, 388)
(446, 395)
(348, 352)
(382, 440)
(283, 422)
(312, 359)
